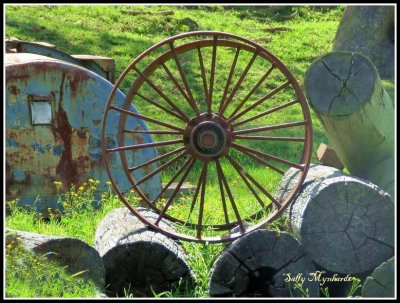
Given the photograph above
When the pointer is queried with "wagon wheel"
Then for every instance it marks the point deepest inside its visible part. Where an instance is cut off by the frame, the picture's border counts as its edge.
(226, 116)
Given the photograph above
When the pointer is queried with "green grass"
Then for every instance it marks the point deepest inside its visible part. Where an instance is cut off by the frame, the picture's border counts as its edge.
(80, 221)
(106, 31)
(32, 276)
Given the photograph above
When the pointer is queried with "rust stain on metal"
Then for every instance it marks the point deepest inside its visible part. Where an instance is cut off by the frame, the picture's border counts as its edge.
(61, 128)
(138, 138)
(14, 90)
(76, 80)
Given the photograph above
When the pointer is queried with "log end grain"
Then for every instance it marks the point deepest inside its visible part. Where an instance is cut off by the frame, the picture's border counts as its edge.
(345, 224)
(340, 83)
(259, 265)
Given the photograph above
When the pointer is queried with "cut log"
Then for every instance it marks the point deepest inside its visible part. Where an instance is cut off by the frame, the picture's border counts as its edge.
(346, 93)
(260, 264)
(138, 260)
(327, 156)
(77, 255)
(381, 283)
(344, 223)
(369, 29)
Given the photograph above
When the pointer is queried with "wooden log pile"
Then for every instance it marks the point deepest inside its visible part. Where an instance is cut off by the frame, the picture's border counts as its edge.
(263, 263)
(138, 260)
(340, 226)
(345, 224)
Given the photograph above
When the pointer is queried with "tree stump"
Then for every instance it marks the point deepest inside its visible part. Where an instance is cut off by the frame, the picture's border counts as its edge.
(73, 253)
(138, 260)
(346, 93)
(381, 282)
(261, 264)
(344, 223)
(370, 31)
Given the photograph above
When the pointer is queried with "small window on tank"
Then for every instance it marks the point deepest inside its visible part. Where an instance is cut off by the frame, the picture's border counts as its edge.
(41, 111)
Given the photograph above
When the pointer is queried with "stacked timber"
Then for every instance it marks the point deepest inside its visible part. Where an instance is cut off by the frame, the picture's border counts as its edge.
(344, 223)
(263, 263)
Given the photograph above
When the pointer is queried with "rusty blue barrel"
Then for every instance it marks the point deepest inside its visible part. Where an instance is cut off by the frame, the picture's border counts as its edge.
(53, 130)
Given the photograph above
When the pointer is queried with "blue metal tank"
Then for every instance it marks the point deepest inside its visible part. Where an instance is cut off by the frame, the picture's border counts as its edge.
(53, 130)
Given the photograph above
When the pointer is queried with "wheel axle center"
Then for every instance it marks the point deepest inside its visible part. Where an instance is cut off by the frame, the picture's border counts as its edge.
(207, 139)
(207, 136)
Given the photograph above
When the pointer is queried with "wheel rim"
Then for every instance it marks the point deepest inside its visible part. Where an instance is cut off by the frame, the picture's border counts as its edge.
(207, 133)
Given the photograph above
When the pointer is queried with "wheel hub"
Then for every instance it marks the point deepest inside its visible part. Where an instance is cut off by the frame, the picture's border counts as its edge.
(208, 137)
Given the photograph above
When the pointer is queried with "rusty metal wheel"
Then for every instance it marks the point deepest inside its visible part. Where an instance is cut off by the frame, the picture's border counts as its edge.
(226, 116)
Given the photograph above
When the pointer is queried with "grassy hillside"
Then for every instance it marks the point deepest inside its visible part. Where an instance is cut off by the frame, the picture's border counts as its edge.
(106, 30)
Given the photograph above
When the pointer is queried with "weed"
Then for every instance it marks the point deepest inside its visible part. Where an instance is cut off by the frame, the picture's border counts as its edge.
(32, 276)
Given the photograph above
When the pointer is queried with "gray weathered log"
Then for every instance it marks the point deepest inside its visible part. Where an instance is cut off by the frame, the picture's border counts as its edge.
(344, 223)
(346, 93)
(138, 259)
(77, 255)
(381, 283)
(258, 265)
(370, 31)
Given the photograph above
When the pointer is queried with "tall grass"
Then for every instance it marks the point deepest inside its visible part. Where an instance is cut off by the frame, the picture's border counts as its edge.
(32, 276)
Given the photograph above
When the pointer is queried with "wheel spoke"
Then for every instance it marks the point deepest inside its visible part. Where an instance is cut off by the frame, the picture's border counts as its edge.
(245, 175)
(177, 188)
(201, 206)
(199, 184)
(221, 187)
(271, 157)
(262, 161)
(258, 102)
(271, 127)
(295, 139)
(139, 116)
(228, 82)
(212, 74)
(144, 145)
(185, 83)
(221, 174)
(155, 159)
(240, 171)
(155, 132)
(172, 113)
(153, 86)
(178, 86)
(203, 76)
(160, 168)
(270, 111)
(172, 179)
(252, 91)
(246, 70)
